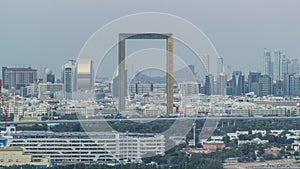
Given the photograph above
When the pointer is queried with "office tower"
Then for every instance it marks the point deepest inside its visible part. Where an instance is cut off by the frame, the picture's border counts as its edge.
(278, 88)
(296, 85)
(220, 65)
(229, 87)
(209, 85)
(268, 64)
(284, 65)
(277, 65)
(85, 74)
(252, 80)
(221, 84)
(292, 85)
(287, 84)
(238, 83)
(189, 88)
(294, 66)
(266, 85)
(49, 76)
(69, 76)
(18, 77)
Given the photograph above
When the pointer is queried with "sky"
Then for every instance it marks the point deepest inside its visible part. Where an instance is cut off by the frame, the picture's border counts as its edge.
(49, 32)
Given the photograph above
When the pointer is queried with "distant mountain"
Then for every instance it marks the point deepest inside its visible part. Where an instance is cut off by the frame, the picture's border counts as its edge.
(184, 74)
(142, 78)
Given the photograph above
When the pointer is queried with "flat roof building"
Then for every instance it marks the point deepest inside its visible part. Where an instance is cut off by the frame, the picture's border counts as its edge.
(18, 77)
(85, 74)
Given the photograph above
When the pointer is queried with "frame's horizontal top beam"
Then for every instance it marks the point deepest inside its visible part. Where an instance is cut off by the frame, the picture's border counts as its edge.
(145, 35)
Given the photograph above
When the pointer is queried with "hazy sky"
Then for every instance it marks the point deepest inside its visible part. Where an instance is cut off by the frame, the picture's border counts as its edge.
(49, 32)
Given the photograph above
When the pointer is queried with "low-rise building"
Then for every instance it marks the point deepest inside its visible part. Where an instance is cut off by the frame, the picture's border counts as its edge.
(14, 156)
(48, 89)
(253, 141)
(213, 145)
(232, 136)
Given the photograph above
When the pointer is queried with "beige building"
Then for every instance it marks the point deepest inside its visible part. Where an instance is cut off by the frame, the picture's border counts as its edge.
(14, 156)
(85, 74)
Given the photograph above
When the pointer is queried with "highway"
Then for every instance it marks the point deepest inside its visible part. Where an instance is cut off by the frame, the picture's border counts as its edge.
(152, 119)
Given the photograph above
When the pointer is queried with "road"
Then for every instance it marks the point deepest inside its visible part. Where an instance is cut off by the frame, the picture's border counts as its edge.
(151, 119)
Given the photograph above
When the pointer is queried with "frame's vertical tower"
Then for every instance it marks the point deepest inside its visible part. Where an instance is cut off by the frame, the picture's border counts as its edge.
(170, 74)
(122, 78)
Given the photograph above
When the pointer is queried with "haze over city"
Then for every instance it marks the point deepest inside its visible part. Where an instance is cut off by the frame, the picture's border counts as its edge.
(50, 32)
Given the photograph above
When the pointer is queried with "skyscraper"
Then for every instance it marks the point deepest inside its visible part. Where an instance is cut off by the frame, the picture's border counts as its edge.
(18, 77)
(266, 84)
(238, 83)
(69, 76)
(294, 66)
(85, 74)
(268, 64)
(292, 85)
(220, 65)
(221, 84)
(284, 66)
(49, 76)
(277, 65)
(287, 84)
(209, 85)
(252, 80)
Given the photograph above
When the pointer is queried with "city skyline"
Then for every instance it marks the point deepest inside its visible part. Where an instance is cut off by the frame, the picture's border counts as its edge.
(49, 38)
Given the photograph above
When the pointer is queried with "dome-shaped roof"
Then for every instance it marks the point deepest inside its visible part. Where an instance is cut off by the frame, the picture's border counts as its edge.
(48, 71)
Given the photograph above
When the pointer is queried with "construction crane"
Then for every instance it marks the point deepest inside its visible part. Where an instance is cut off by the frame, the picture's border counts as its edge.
(4, 107)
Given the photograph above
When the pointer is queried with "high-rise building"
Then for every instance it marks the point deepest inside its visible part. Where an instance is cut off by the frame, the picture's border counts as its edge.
(69, 76)
(278, 88)
(253, 78)
(209, 85)
(294, 66)
(221, 84)
(238, 83)
(277, 65)
(85, 74)
(287, 84)
(284, 66)
(229, 87)
(266, 85)
(268, 64)
(49, 76)
(18, 77)
(292, 85)
(220, 65)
